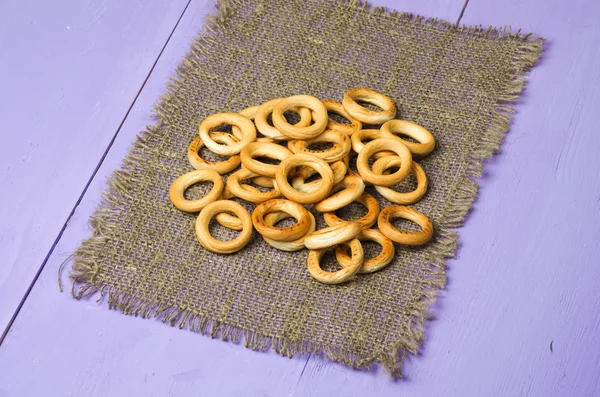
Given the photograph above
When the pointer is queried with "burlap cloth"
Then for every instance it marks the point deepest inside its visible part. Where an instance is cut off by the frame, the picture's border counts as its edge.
(455, 81)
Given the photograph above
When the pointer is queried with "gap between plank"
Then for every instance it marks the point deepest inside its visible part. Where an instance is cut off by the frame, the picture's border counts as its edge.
(87, 185)
(462, 12)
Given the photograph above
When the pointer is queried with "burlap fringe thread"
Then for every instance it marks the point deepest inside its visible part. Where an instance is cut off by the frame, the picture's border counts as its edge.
(85, 273)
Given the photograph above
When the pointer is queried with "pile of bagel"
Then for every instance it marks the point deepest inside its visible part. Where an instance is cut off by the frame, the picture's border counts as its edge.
(286, 191)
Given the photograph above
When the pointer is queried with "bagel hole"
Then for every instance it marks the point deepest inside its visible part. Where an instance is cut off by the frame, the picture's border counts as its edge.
(371, 161)
(222, 233)
(346, 249)
(391, 170)
(407, 185)
(337, 118)
(319, 146)
(267, 160)
(352, 211)
(369, 105)
(197, 190)
(405, 225)
(286, 222)
(211, 156)
(329, 262)
(314, 177)
(223, 128)
(371, 249)
(289, 115)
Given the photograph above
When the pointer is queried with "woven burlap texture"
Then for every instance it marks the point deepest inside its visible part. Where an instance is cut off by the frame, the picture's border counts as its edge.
(457, 82)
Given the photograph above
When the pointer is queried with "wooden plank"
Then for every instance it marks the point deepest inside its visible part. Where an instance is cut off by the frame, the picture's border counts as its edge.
(68, 73)
(81, 348)
(520, 314)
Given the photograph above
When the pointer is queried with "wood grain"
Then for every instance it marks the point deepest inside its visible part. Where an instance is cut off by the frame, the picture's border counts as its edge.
(68, 73)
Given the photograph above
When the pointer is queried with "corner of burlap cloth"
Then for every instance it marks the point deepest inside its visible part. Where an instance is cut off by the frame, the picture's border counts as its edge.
(122, 268)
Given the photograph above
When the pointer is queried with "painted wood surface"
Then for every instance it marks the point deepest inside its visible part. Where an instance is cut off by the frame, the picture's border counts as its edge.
(527, 272)
(69, 71)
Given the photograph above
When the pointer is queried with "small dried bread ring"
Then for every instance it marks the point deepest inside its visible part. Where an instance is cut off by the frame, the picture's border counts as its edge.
(181, 184)
(223, 247)
(226, 194)
(297, 160)
(400, 236)
(222, 167)
(291, 145)
(289, 233)
(261, 180)
(339, 172)
(381, 165)
(332, 235)
(262, 149)
(262, 114)
(341, 146)
(369, 265)
(229, 221)
(296, 245)
(379, 145)
(358, 138)
(247, 192)
(249, 112)
(344, 274)
(365, 115)
(347, 158)
(225, 219)
(366, 221)
(348, 190)
(337, 108)
(235, 119)
(426, 141)
(264, 181)
(320, 117)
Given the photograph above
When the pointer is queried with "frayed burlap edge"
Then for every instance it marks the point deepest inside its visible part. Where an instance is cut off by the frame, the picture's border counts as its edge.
(87, 279)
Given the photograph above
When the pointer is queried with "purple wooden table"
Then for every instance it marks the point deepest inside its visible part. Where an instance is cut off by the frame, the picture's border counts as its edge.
(78, 80)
